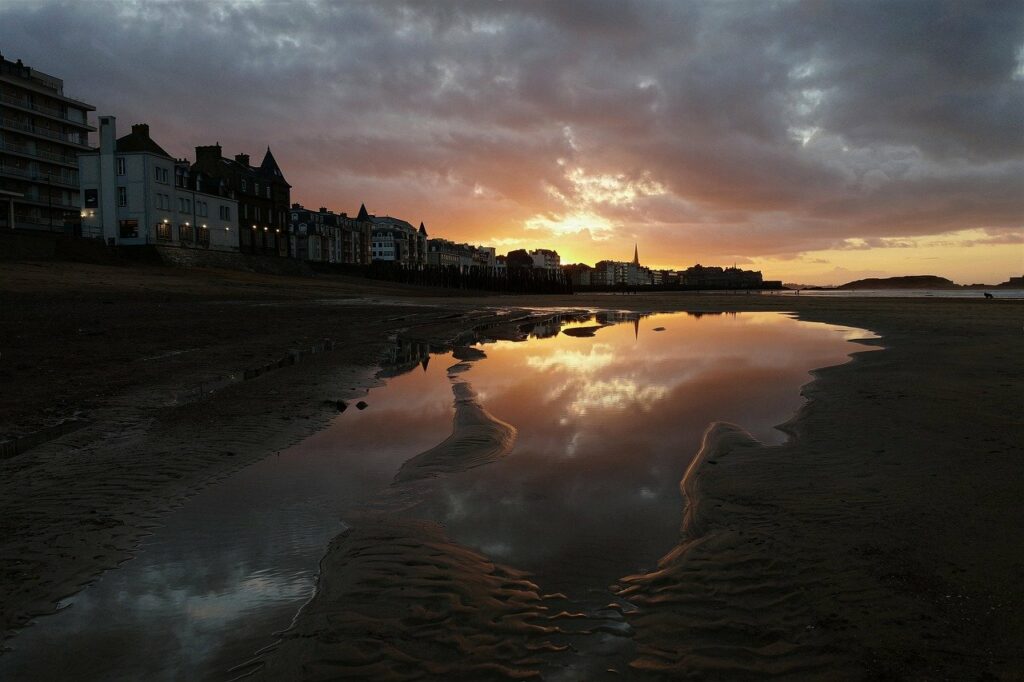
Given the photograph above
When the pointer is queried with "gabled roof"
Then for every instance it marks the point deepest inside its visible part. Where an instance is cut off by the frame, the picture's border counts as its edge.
(363, 215)
(139, 141)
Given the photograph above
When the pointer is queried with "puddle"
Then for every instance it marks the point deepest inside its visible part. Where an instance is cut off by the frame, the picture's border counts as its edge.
(606, 421)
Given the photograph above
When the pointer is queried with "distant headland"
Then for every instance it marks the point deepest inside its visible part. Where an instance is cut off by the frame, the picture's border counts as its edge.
(922, 282)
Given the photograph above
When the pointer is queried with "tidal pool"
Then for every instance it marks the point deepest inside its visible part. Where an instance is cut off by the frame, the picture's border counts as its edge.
(607, 418)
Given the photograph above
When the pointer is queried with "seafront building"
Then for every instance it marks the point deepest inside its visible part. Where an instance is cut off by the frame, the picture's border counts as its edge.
(701, 277)
(443, 252)
(396, 241)
(263, 195)
(328, 237)
(134, 193)
(545, 259)
(41, 134)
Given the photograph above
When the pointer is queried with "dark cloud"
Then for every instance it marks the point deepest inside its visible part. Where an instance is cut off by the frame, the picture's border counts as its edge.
(744, 128)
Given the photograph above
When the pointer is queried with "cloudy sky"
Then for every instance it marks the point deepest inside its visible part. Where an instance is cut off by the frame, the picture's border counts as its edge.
(817, 141)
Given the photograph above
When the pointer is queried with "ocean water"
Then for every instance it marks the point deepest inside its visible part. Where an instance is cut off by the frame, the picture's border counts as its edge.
(907, 293)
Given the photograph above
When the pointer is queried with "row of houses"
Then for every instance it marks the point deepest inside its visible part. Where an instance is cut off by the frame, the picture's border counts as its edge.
(130, 191)
(629, 274)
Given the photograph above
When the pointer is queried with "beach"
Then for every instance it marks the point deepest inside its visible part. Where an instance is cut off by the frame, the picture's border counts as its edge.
(881, 541)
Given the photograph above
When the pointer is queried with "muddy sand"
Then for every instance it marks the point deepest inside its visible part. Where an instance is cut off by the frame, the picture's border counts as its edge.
(882, 541)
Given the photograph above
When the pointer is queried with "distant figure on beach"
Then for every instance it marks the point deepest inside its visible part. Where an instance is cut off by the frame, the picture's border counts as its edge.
(988, 295)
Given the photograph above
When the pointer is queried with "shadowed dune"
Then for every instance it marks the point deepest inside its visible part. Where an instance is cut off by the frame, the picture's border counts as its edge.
(717, 606)
(477, 439)
(397, 600)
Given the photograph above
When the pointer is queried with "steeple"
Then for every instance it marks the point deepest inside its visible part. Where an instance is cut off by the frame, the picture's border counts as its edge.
(423, 229)
(636, 255)
(363, 215)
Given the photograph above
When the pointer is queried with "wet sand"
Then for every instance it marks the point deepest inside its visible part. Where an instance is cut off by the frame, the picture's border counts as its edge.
(882, 541)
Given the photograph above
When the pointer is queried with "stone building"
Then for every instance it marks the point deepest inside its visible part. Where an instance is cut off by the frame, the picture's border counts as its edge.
(134, 192)
(396, 241)
(326, 236)
(449, 253)
(41, 134)
(263, 195)
(701, 277)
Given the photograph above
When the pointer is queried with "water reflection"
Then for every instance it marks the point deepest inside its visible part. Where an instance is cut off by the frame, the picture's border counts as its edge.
(607, 424)
(233, 565)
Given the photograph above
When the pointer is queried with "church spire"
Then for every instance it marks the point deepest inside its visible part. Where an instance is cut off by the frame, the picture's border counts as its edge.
(636, 255)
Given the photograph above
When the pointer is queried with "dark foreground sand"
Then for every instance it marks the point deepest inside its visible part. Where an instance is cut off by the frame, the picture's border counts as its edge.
(882, 542)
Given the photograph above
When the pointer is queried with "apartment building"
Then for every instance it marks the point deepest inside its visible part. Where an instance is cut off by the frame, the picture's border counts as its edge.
(41, 134)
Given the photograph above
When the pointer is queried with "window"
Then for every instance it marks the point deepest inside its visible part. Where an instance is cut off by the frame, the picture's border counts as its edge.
(122, 196)
(163, 232)
(266, 191)
(256, 188)
(185, 233)
(243, 185)
(256, 213)
(245, 211)
(129, 229)
(160, 174)
(120, 165)
(225, 213)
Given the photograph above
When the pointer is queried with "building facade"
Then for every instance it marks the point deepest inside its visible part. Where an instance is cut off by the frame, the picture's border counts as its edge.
(444, 252)
(701, 277)
(134, 192)
(546, 259)
(263, 195)
(396, 241)
(328, 237)
(41, 134)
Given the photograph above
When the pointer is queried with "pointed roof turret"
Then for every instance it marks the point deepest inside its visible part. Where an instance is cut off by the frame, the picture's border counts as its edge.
(270, 167)
(423, 229)
(363, 215)
(636, 255)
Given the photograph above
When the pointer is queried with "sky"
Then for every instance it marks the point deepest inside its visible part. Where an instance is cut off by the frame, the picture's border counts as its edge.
(818, 142)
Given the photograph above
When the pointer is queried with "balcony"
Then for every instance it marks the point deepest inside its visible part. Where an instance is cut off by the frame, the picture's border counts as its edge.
(29, 129)
(61, 179)
(25, 105)
(25, 150)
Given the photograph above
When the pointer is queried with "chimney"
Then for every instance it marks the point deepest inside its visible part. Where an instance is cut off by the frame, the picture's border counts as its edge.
(242, 159)
(210, 152)
(108, 134)
(323, 209)
(141, 129)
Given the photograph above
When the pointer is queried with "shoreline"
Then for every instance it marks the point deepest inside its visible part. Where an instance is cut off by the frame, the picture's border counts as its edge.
(874, 540)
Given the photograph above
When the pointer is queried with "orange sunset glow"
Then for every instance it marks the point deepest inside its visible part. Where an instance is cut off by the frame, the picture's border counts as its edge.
(816, 142)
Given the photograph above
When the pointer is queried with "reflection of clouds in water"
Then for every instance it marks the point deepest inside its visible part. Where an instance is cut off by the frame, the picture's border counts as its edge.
(600, 355)
(499, 550)
(616, 394)
(573, 444)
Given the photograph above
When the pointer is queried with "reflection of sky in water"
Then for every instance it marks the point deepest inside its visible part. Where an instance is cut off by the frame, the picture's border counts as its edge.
(234, 563)
(607, 425)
